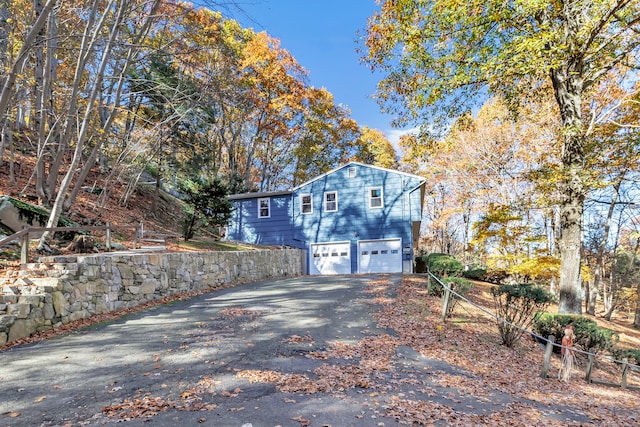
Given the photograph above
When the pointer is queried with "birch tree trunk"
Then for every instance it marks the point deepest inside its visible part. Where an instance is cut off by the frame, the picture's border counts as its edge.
(120, 66)
(89, 41)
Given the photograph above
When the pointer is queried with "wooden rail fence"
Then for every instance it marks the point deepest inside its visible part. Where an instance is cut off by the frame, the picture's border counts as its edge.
(23, 235)
(626, 366)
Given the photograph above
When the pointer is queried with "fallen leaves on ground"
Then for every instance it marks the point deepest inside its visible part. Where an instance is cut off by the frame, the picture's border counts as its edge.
(496, 385)
(303, 422)
(239, 312)
(297, 339)
(477, 382)
(472, 345)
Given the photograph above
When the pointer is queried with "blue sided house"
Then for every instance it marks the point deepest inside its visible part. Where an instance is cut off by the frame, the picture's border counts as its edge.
(356, 218)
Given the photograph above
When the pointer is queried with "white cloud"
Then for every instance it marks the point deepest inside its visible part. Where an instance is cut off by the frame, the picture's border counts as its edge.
(394, 135)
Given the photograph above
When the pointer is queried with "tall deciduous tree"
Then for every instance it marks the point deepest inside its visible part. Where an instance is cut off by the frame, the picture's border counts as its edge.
(442, 53)
(375, 149)
(103, 55)
(325, 136)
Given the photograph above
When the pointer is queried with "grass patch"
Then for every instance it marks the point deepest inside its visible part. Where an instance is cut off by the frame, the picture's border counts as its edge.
(205, 244)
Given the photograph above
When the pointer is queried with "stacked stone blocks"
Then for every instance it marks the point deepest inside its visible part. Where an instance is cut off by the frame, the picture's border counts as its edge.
(59, 290)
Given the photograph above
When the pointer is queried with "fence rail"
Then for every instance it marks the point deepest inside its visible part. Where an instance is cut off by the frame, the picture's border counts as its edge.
(23, 235)
(550, 341)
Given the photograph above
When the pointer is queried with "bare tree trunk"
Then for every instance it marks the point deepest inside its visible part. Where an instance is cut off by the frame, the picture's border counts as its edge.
(4, 65)
(12, 74)
(568, 86)
(607, 295)
(466, 221)
(88, 43)
(600, 254)
(636, 320)
(39, 121)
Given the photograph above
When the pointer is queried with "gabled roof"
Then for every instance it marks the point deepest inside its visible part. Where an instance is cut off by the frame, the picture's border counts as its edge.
(289, 192)
(421, 179)
(259, 195)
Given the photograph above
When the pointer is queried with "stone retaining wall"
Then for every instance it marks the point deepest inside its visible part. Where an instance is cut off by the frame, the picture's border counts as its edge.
(74, 288)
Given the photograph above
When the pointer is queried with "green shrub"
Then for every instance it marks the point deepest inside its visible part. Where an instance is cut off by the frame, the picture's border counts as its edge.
(435, 288)
(206, 204)
(458, 285)
(589, 337)
(518, 305)
(495, 275)
(631, 354)
(475, 273)
(443, 265)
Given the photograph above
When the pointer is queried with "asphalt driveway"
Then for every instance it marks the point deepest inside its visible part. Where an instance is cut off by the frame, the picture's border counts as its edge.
(296, 352)
(196, 362)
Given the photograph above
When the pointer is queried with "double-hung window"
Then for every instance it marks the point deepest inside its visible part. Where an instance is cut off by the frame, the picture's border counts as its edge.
(264, 208)
(331, 201)
(306, 204)
(375, 198)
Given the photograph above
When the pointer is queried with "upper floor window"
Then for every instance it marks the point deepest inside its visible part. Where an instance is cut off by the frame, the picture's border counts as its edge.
(264, 208)
(331, 201)
(306, 204)
(351, 172)
(375, 197)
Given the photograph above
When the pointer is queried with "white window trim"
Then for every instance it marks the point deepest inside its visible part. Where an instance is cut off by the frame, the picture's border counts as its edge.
(371, 198)
(325, 201)
(268, 199)
(302, 196)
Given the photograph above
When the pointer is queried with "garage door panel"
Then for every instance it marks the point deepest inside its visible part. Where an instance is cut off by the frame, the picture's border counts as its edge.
(380, 256)
(330, 258)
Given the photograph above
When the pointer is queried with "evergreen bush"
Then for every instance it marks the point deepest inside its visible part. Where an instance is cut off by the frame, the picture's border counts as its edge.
(589, 337)
(444, 265)
(631, 354)
(518, 305)
(495, 275)
(475, 274)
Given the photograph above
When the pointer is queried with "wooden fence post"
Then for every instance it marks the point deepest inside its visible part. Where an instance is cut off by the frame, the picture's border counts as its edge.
(625, 371)
(24, 248)
(108, 243)
(547, 356)
(445, 303)
(587, 376)
(135, 235)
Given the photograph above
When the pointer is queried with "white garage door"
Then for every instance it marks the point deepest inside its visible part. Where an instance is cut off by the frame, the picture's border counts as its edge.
(380, 256)
(330, 258)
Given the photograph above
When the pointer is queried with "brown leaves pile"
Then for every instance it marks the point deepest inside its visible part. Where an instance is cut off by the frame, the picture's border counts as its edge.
(375, 356)
(239, 312)
(297, 339)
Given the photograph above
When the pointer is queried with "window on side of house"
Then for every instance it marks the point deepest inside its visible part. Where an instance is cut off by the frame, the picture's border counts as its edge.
(264, 208)
(375, 198)
(351, 172)
(331, 201)
(306, 204)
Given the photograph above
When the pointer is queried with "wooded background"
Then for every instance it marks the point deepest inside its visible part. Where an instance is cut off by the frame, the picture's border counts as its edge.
(527, 117)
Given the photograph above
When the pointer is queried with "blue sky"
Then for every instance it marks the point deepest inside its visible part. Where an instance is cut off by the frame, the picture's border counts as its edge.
(321, 35)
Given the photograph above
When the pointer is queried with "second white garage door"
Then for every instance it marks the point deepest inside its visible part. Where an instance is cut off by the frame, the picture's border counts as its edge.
(330, 258)
(380, 256)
